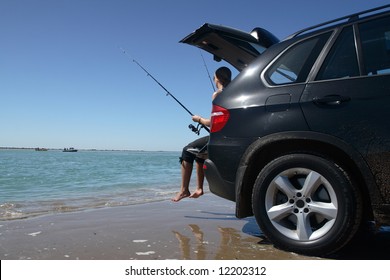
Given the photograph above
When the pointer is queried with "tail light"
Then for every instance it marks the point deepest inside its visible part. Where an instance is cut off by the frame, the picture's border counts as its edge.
(219, 118)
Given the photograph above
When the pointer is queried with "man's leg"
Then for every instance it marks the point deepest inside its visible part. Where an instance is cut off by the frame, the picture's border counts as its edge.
(200, 180)
(186, 170)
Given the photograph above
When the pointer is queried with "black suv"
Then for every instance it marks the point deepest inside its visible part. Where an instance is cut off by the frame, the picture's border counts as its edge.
(301, 137)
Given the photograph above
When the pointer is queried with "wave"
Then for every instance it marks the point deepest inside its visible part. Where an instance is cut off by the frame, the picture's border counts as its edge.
(27, 209)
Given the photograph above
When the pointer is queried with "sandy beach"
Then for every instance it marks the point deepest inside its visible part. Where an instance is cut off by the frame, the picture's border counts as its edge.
(195, 229)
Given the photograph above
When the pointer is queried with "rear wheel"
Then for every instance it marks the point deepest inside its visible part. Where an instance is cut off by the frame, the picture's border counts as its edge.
(306, 204)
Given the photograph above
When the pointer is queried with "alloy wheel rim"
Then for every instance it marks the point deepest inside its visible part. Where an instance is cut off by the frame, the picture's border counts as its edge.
(301, 204)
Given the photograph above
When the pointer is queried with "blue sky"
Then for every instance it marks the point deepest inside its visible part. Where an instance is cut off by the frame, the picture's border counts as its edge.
(64, 81)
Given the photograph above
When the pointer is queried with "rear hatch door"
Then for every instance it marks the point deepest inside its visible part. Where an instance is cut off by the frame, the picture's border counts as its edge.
(236, 47)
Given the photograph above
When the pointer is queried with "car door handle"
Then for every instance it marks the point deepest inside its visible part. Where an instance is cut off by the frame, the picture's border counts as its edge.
(332, 100)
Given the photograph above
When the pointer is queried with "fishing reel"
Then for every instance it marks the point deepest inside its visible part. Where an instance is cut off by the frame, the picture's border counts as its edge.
(195, 129)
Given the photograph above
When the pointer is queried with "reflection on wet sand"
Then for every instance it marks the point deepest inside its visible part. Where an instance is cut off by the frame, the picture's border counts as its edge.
(248, 242)
(185, 243)
(232, 245)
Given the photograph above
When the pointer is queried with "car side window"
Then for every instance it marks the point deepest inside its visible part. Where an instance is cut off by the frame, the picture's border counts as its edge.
(375, 40)
(295, 64)
(341, 61)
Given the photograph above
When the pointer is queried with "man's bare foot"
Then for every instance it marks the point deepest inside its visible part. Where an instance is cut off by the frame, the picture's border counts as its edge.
(180, 196)
(197, 193)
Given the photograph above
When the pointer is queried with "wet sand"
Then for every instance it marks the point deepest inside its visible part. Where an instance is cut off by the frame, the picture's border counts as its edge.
(196, 229)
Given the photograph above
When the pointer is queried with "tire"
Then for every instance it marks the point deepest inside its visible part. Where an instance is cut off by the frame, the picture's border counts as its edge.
(306, 204)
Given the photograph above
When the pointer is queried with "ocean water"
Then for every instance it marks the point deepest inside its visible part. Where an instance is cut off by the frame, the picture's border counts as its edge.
(35, 183)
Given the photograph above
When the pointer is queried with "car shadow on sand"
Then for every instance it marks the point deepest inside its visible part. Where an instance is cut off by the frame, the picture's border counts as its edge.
(371, 246)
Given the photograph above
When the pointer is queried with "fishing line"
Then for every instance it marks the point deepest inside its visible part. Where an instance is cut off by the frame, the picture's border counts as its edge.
(207, 70)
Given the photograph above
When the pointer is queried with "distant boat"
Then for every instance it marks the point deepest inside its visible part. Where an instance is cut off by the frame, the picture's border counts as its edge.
(69, 150)
(40, 149)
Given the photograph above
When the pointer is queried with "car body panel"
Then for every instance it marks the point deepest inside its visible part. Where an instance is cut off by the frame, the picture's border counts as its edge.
(361, 119)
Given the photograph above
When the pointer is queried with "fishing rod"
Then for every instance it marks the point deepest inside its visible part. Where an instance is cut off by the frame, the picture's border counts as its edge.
(191, 126)
(207, 70)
